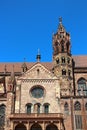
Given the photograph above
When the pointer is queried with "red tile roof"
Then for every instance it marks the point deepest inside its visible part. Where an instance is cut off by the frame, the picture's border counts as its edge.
(18, 66)
(80, 61)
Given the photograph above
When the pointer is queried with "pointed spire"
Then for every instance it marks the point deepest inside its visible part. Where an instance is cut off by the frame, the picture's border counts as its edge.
(60, 20)
(38, 57)
(61, 27)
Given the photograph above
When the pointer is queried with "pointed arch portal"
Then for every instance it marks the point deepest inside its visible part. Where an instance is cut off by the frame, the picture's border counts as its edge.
(51, 127)
(20, 127)
(36, 127)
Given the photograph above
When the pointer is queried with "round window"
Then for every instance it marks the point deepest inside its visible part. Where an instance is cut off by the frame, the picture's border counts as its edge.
(37, 92)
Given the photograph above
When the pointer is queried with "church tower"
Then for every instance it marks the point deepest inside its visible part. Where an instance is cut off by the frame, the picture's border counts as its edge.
(62, 59)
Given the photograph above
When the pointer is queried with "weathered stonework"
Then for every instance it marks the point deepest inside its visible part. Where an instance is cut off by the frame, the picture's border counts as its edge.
(59, 97)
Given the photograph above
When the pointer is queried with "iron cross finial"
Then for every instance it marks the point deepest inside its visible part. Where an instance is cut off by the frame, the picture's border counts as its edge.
(60, 20)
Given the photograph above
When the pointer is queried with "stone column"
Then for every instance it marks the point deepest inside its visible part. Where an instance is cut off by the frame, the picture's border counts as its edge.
(12, 125)
(28, 126)
(32, 109)
(43, 126)
(59, 126)
(41, 109)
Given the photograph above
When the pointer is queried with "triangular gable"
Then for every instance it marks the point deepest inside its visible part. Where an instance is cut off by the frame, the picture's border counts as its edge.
(38, 71)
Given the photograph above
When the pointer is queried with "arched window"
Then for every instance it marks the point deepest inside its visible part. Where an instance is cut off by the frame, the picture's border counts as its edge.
(63, 59)
(28, 108)
(77, 106)
(82, 88)
(63, 72)
(2, 115)
(68, 60)
(86, 106)
(66, 107)
(37, 108)
(46, 108)
(57, 60)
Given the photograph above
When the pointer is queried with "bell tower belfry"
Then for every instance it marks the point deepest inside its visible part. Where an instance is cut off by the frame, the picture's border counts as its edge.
(62, 59)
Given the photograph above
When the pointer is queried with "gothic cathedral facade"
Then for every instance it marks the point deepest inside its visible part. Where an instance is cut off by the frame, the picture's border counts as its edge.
(45, 95)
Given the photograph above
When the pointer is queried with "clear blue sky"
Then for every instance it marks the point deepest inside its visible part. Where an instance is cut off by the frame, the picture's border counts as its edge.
(26, 25)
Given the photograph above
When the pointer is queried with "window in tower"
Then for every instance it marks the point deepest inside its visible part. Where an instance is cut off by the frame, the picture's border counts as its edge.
(69, 72)
(63, 59)
(77, 106)
(66, 107)
(61, 34)
(57, 60)
(68, 60)
(63, 72)
(82, 88)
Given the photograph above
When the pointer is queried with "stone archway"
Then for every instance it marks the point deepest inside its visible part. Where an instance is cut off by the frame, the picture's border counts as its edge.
(20, 127)
(36, 126)
(51, 127)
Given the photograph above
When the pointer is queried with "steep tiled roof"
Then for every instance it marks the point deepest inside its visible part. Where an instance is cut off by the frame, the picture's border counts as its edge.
(80, 61)
(18, 66)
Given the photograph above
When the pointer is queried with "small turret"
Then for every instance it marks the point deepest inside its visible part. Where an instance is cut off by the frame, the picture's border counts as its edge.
(11, 86)
(11, 81)
(24, 66)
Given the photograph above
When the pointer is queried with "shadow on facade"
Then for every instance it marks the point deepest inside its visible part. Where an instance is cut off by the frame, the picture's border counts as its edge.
(51, 127)
(20, 127)
(36, 126)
